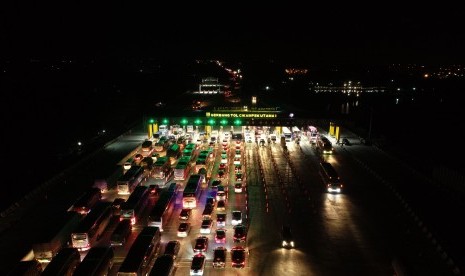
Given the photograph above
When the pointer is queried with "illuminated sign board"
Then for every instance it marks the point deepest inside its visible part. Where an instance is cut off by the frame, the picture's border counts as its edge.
(241, 115)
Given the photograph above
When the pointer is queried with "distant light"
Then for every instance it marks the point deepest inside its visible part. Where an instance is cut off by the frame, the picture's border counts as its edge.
(79, 144)
(291, 115)
(398, 89)
(267, 88)
(414, 88)
(397, 101)
(426, 76)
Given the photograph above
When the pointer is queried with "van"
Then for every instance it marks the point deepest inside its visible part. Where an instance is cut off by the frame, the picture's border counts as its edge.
(121, 233)
(172, 248)
(207, 212)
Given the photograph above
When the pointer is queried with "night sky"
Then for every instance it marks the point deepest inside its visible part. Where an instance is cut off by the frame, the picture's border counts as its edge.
(381, 33)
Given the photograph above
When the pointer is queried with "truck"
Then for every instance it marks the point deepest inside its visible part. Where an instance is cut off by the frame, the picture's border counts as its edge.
(56, 236)
(214, 136)
(273, 138)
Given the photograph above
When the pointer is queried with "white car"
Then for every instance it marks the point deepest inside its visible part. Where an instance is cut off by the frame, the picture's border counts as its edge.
(206, 227)
(238, 187)
(220, 220)
(183, 229)
(236, 218)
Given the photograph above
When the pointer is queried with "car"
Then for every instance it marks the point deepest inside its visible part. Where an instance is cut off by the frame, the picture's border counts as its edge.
(172, 248)
(287, 238)
(220, 235)
(220, 195)
(240, 233)
(127, 165)
(237, 161)
(221, 173)
(215, 184)
(238, 254)
(116, 205)
(238, 176)
(346, 142)
(238, 187)
(225, 142)
(121, 233)
(185, 214)
(220, 220)
(197, 265)
(138, 158)
(201, 244)
(220, 206)
(207, 211)
(237, 154)
(154, 189)
(219, 257)
(206, 226)
(236, 217)
(210, 200)
(238, 168)
(222, 166)
(183, 229)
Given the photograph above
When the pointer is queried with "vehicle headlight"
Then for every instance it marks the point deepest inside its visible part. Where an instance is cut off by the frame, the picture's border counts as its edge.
(292, 243)
(284, 243)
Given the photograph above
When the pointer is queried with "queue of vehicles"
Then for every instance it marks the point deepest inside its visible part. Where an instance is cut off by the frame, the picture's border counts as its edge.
(94, 215)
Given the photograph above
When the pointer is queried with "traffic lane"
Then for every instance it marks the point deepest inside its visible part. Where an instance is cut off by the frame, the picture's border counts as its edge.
(413, 241)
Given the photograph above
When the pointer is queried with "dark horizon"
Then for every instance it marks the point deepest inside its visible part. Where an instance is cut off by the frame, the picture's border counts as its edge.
(292, 33)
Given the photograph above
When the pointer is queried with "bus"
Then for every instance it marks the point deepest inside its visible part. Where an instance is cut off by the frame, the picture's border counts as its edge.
(161, 144)
(121, 233)
(129, 180)
(192, 191)
(64, 263)
(26, 268)
(182, 169)
(191, 146)
(133, 207)
(92, 226)
(188, 153)
(163, 266)
(173, 153)
(141, 252)
(162, 169)
(147, 146)
(84, 204)
(287, 134)
(164, 207)
(312, 134)
(324, 145)
(49, 240)
(330, 178)
(98, 261)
